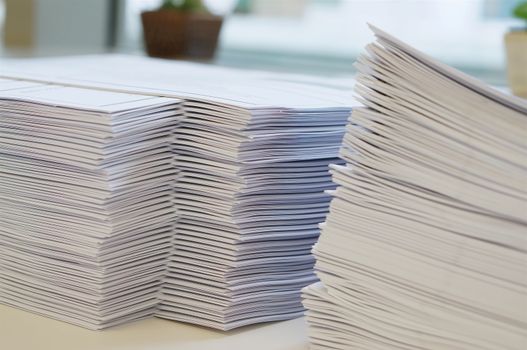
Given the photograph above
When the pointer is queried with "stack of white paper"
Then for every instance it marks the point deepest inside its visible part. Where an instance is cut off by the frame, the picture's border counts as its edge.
(86, 214)
(252, 155)
(425, 246)
(249, 197)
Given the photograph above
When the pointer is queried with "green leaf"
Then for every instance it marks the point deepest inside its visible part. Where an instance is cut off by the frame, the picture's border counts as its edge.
(520, 11)
(182, 5)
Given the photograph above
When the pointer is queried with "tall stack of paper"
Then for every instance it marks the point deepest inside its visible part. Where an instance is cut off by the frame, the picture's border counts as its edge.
(252, 155)
(249, 198)
(86, 215)
(425, 246)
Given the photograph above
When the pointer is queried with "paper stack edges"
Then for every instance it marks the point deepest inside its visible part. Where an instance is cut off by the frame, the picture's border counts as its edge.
(425, 246)
(200, 206)
(86, 214)
(249, 197)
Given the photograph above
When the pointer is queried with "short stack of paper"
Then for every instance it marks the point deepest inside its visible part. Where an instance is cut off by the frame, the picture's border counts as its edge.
(425, 246)
(250, 195)
(252, 154)
(86, 215)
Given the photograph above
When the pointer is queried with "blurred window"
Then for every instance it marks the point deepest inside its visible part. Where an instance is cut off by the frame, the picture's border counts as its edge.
(464, 33)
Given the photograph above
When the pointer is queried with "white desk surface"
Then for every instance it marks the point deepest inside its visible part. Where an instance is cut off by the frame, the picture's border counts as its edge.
(20, 330)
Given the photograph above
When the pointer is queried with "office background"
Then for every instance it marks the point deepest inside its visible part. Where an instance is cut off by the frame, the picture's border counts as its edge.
(321, 37)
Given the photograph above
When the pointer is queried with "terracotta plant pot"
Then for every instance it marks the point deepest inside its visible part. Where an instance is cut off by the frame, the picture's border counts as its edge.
(202, 33)
(173, 34)
(516, 46)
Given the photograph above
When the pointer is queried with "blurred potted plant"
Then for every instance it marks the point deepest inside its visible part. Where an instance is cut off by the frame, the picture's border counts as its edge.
(181, 28)
(516, 47)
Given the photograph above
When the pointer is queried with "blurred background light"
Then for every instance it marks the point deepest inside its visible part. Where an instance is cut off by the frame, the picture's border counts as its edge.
(307, 36)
